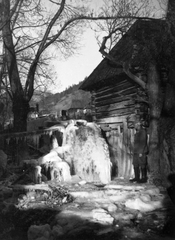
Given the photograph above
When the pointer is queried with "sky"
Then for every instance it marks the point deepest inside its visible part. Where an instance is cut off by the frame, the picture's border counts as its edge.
(77, 67)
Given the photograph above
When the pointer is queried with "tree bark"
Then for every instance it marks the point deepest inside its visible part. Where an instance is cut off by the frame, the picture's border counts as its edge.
(156, 102)
(20, 110)
(19, 100)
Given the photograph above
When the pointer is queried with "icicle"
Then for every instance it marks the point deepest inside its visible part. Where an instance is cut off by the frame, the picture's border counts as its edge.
(25, 138)
(37, 141)
(34, 138)
(17, 139)
(8, 140)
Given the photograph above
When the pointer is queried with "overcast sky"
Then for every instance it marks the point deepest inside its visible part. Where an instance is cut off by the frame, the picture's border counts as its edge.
(79, 66)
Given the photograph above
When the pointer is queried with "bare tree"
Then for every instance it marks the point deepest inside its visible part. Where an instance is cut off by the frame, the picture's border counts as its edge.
(28, 31)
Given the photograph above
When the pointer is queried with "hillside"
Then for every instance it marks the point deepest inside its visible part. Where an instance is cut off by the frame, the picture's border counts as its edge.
(61, 99)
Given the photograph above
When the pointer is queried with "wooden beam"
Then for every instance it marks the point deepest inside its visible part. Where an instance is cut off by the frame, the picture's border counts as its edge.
(117, 119)
(113, 100)
(121, 93)
(123, 85)
(115, 106)
(118, 112)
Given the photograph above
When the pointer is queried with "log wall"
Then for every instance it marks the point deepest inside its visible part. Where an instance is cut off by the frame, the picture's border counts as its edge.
(115, 109)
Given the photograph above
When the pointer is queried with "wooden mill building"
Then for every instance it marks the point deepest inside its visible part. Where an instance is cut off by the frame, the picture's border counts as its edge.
(118, 102)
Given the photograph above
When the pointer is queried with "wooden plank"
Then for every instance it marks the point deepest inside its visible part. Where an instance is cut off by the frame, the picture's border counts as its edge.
(105, 87)
(109, 120)
(113, 88)
(39, 132)
(123, 93)
(113, 100)
(115, 106)
(122, 111)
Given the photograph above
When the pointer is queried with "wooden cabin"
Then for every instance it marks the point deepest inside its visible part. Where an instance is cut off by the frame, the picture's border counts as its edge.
(118, 101)
(72, 106)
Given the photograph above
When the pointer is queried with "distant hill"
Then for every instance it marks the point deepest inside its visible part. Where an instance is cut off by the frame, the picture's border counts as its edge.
(51, 100)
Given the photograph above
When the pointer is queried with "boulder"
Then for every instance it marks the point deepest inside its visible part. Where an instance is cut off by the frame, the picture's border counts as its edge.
(57, 231)
(142, 206)
(101, 216)
(39, 232)
(88, 155)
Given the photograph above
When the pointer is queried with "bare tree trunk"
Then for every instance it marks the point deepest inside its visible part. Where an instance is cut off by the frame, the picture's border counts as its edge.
(155, 99)
(19, 101)
(20, 111)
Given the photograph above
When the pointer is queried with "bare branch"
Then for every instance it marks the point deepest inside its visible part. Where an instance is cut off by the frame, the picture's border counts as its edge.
(87, 18)
(58, 13)
(133, 77)
(14, 10)
(124, 65)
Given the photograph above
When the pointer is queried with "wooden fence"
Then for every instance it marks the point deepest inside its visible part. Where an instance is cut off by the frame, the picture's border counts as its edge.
(15, 144)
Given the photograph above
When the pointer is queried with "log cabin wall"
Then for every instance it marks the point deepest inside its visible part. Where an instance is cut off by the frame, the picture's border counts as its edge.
(115, 108)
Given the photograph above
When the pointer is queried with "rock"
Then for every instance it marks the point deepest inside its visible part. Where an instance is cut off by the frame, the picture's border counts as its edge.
(110, 207)
(125, 216)
(153, 191)
(138, 204)
(145, 198)
(39, 232)
(89, 154)
(101, 216)
(57, 231)
(120, 197)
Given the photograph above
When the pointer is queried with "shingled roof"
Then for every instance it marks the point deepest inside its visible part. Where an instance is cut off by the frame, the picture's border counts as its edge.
(140, 34)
